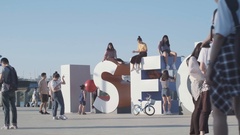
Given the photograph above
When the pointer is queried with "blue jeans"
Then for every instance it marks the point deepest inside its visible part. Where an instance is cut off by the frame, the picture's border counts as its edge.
(8, 99)
(58, 99)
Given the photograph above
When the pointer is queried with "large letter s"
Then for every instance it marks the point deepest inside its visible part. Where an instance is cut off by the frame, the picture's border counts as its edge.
(105, 86)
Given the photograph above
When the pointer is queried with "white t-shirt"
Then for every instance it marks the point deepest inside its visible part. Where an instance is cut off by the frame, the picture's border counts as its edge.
(204, 55)
(55, 83)
(224, 22)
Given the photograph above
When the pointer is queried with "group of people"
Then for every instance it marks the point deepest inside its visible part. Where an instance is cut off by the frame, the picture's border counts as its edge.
(52, 89)
(214, 72)
(163, 48)
(46, 89)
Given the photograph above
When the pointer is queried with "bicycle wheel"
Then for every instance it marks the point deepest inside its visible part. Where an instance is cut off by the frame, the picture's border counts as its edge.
(149, 110)
(136, 109)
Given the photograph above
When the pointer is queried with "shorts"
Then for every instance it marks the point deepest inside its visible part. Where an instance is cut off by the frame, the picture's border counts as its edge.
(82, 102)
(166, 92)
(44, 98)
(167, 51)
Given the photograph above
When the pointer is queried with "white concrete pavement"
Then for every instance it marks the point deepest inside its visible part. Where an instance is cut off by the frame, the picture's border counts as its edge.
(31, 122)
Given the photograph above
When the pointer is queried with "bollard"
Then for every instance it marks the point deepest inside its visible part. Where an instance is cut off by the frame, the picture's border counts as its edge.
(17, 93)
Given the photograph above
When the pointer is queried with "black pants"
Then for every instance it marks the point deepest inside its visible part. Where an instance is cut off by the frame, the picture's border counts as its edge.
(119, 60)
(137, 58)
(200, 115)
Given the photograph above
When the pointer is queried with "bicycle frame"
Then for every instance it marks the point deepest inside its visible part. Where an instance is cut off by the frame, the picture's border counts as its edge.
(147, 109)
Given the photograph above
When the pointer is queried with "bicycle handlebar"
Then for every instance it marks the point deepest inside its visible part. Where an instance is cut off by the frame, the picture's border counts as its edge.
(149, 96)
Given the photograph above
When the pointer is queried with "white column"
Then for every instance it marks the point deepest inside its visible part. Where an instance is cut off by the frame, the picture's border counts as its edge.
(75, 75)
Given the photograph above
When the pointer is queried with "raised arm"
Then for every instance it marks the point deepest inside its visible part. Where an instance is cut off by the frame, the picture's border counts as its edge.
(63, 80)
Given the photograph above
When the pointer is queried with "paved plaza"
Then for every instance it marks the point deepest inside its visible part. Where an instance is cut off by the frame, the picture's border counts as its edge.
(30, 122)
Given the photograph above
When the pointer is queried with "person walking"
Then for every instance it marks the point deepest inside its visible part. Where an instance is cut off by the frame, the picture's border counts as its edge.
(34, 98)
(43, 91)
(223, 73)
(8, 96)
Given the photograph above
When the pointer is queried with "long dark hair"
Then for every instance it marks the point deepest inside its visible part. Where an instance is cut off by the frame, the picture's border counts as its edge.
(110, 49)
(4, 61)
(165, 75)
(195, 52)
(167, 42)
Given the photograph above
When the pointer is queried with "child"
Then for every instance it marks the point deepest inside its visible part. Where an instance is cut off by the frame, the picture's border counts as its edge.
(166, 95)
(82, 100)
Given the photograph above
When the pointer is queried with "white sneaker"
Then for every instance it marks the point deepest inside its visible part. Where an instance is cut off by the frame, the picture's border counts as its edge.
(55, 118)
(5, 127)
(167, 67)
(13, 127)
(174, 66)
(62, 117)
(168, 112)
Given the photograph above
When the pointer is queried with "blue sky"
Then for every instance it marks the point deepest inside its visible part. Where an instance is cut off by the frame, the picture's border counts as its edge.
(41, 35)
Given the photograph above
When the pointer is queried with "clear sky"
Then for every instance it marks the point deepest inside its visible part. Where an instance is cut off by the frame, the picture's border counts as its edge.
(41, 35)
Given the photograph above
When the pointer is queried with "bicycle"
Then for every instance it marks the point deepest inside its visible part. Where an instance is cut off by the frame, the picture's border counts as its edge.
(147, 109)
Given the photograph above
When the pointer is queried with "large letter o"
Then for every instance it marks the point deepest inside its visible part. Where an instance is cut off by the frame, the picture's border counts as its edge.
(183, 86)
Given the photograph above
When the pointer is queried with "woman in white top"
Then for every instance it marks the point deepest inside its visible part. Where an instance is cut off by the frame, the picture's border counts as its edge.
(57, 96)
(166, 93)
(223, 72)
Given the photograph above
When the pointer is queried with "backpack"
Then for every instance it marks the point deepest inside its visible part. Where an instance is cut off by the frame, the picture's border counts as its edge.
(12, 79)
(233, 6)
